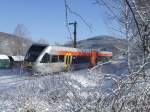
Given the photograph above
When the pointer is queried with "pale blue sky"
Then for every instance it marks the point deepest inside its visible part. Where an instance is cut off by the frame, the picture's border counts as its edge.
(46, 18)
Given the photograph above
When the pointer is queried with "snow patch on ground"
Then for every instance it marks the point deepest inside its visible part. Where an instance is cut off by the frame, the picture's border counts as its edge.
(84, 81)
(59, 92)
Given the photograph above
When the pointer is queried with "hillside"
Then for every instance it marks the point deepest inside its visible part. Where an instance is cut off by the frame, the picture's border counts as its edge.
(116, 45)
(12, 45)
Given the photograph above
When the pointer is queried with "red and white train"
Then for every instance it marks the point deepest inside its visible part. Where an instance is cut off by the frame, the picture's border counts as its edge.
(49, 59)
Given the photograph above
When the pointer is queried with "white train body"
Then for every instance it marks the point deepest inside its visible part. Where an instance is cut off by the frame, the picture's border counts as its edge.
(49, 59)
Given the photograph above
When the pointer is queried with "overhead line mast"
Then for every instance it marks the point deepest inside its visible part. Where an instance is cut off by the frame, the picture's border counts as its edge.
(74, 33)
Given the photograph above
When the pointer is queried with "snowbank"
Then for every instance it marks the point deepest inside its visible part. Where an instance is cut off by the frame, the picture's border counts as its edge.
(64, 92)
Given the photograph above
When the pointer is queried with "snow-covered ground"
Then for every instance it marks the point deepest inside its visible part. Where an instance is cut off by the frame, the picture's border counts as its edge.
(65, 92)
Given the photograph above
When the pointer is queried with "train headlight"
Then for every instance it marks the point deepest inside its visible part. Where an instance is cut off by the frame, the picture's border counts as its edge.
(27, 65)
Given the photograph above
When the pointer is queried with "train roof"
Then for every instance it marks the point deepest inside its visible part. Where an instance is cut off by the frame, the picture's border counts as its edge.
(105, 52)
(18, 58)
(2, 56)
(62, 48)
(36, 44)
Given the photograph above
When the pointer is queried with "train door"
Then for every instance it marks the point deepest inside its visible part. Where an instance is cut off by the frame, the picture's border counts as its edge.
(57, 63)
(44, 65)
(93, 58)
(68, 61)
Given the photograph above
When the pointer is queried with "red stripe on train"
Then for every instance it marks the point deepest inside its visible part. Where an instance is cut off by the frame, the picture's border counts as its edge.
(83, 53)
(74, 53)
(105, 54)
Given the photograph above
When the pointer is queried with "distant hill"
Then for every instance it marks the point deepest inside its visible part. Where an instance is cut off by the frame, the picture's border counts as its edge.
(13, 45)
(116, 45)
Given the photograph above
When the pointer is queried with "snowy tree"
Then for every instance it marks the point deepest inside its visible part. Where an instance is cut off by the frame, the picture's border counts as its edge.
(129, 95)
(22, 33)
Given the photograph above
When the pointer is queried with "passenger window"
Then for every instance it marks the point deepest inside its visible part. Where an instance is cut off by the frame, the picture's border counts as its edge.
(80, 59)
(54, 58)
(46, 58)
(61, 58)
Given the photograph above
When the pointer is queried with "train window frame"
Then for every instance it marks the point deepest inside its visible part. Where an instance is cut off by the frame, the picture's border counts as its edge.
(61, 58)
(80, 59)
(56, 57)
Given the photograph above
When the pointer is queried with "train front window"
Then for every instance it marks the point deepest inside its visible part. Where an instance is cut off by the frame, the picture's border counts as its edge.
(46, 58)
(34, 52)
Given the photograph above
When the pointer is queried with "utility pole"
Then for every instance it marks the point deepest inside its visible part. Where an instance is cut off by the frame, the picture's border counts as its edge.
(74, 33)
